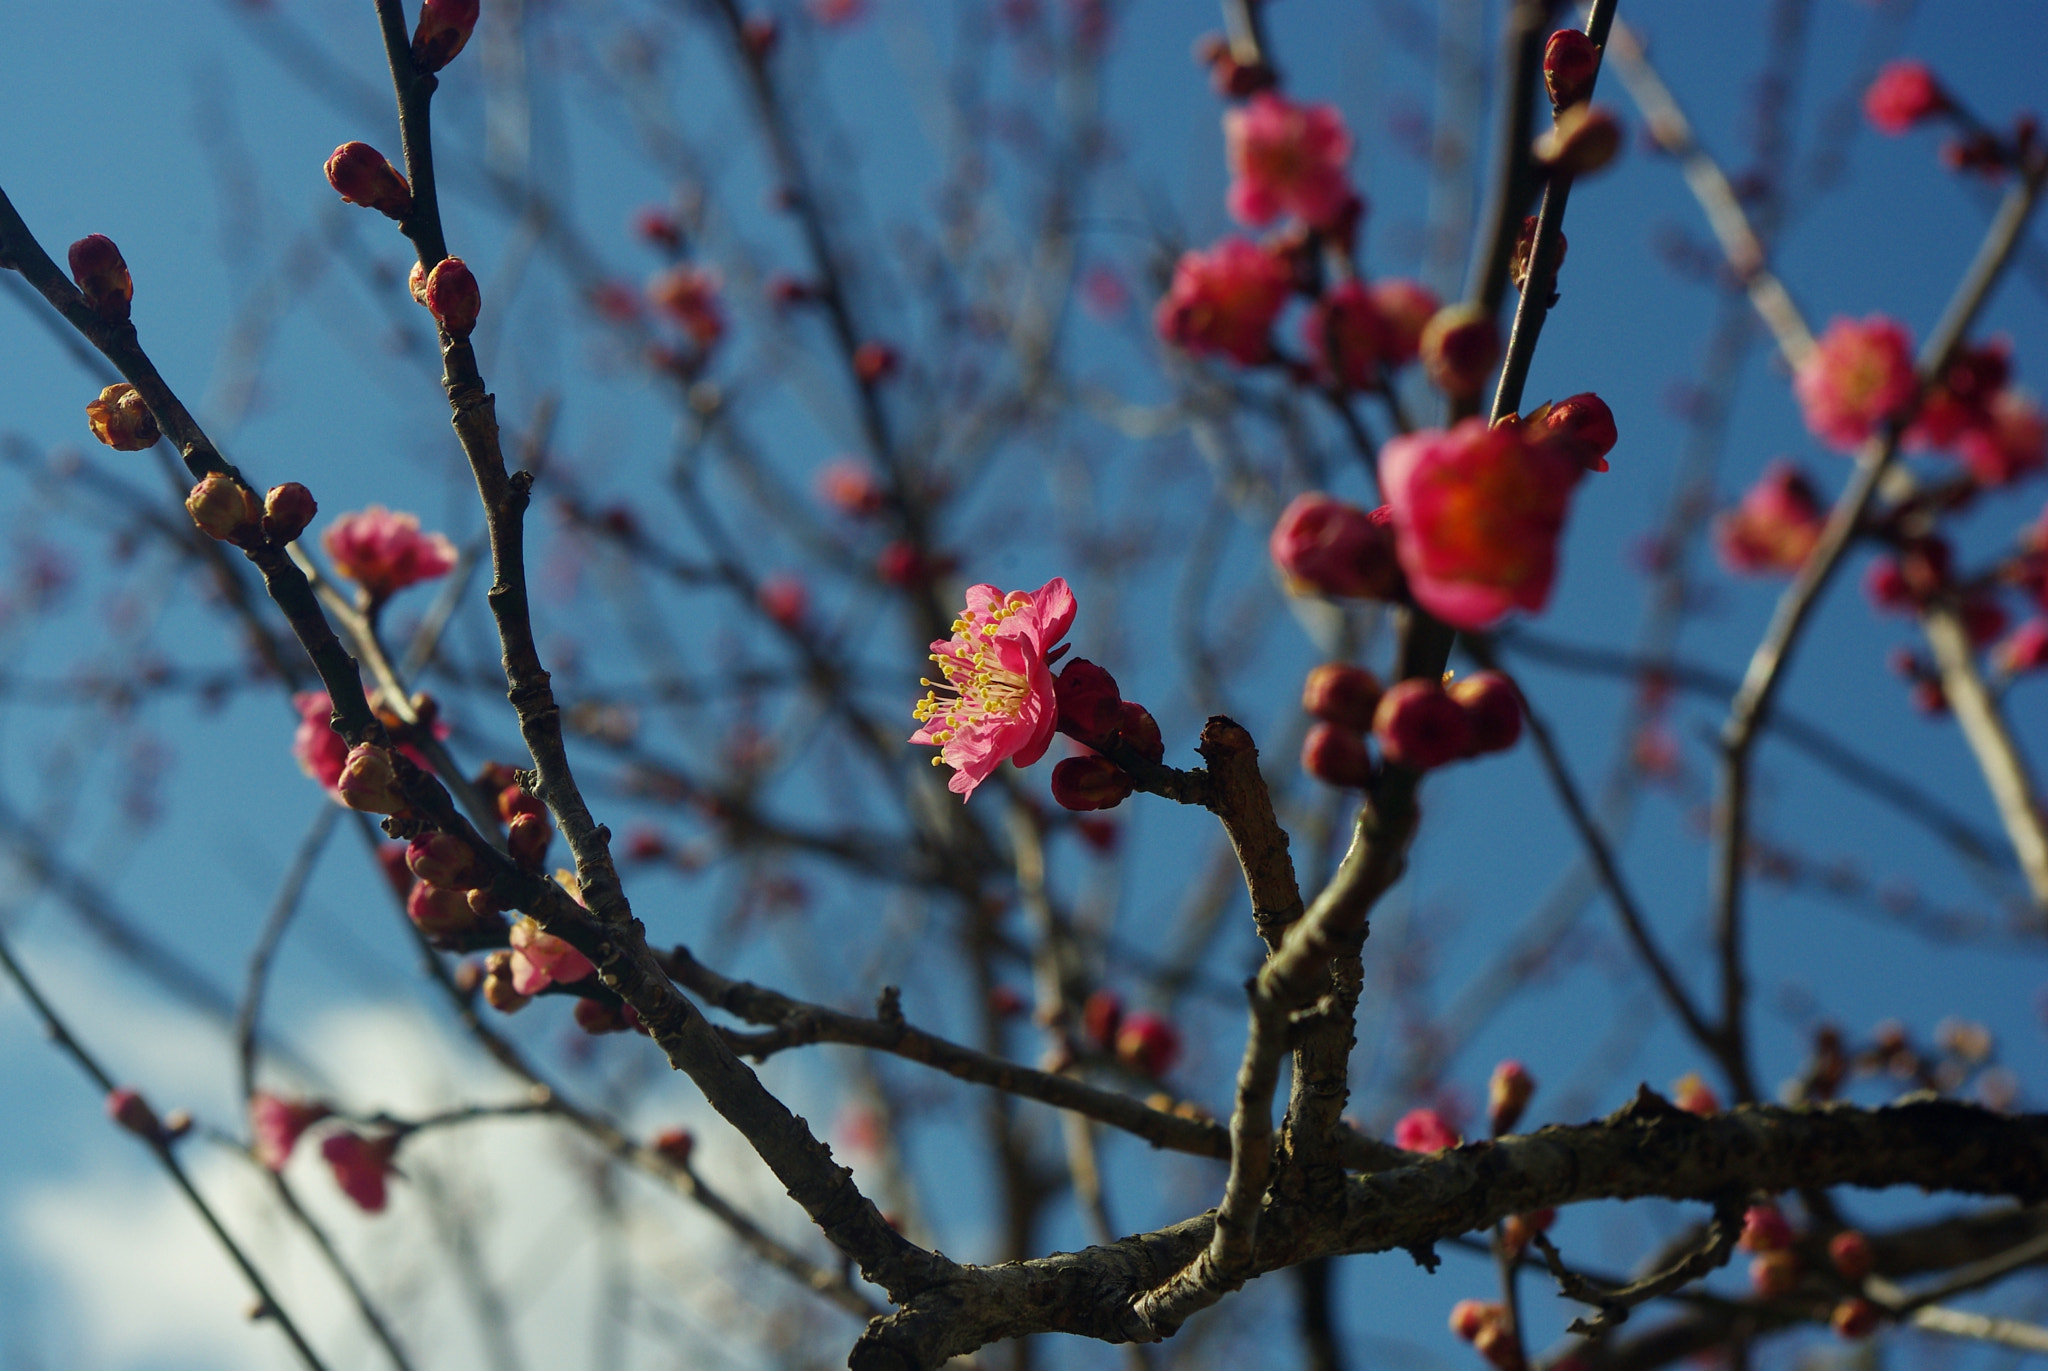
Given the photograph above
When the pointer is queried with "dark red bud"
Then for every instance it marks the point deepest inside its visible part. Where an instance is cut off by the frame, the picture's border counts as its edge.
(1341, 693)
(1091, 782)
(102, 276)
(1570, 62)
(1336, 755)
(1089, 703)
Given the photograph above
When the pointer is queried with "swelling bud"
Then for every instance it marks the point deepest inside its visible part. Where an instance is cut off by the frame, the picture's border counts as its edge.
(362, 176)
(121, 420)
(369, 781)
(225, 510)
(451, 296)
(102, 277)
(443, 29)
(286, 511)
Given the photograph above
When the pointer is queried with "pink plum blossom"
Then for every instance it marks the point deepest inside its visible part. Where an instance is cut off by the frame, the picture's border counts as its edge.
(688, 295)
(1424, 1130)
(319, 750)
(1477, 515)
(1286, 158)
(1904, 93)
(1001, 704)
(1225, 300)
(1961, 399)
(541, 959)
(360, 1165)
(1859, 375)
(384, 552)
(275, 1124)
(2011, 443)
(1775, 527)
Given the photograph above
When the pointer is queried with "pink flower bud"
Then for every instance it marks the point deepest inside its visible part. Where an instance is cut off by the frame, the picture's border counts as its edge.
(1469, 1317)
(1579, 428)
(121, 420)
(1850, 1251)
(286, 511)
(1493, 707)
(225, 509)
(1507, 1094)
(369, 781)
(1772, 1274)
(1331, 547)
(1694, 1095)
(1405, 308)
(1424, 1130)
(444, 27)
(128, 1109)
(1091, 782)
(527, 840)
(443, 860)
(1090, 705)
(1905, 93)
(1764, 1229)
(1521, 1229)
(1459, 347)
(1336, 755)
(102, 277)
(362, 177)
(275, 1124)
(874, 362)
(1855, 1319)
(1346, 336)
(1570, 62)
(439, 913)
(1139, 730)
(499, 991)
(1147, 1044)
(675, 1145)
(1420, 727)
(1225, 300)
(360, 1165)
(784, 599)
(451, 296)
(1341, 693)
(1585, 139)
(599, 1017)
(1523, 259)
(1101, 1013)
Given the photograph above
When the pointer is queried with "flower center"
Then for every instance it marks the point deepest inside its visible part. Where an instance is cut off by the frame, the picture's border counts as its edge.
(981, 687)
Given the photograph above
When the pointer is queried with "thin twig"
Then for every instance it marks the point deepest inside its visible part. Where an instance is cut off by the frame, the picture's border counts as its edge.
(1615, 1304)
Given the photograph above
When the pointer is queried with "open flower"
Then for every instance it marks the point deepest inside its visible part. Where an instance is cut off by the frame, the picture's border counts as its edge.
(1477, 514)
(1001, 705)
(1775, 527)
(1286, 158)
(1225, 300)
(360, 1165)
(1859, 375)
(384, 552)
(540, 959)
(276, 1123)
(1424, 1130)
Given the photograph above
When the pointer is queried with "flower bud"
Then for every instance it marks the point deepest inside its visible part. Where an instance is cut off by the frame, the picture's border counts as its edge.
(369, 781)
(1578, 427)
(1332, 547)
(1425, 1130)
(438, 913)
(1507, 1095)
(1496, 1343)
(675, 1145)
(360, 1166)
(444, 26)
(275, 1124)
(1404, 308)
(1340, 693)
(498, 991)
(1523, 259)
(1090, 705)
(442, 860)
(515, 799)
(1694, 1095)
(1850, 1251)
(598, 1017)
(362, 177)
(1570, 62)
(482, 903)
(1774, 1273)
(225, 509)
(1765, 1229)
(1459, 347)
(286, 511)
(1904, 94)
(1855, 1319)
(102, 277)
(784, 599)
(1101, 1013)
(527, 840)
(1586, 138)
(1091, 782)
(128, 1109)
(121, 420)
(1140, 731)
(874, 362)
(1336, 755)
(451, 296)
(1147, 1044)
(1469, 1317)
(1420, 727)
(1520, 1230)
(1492, 706)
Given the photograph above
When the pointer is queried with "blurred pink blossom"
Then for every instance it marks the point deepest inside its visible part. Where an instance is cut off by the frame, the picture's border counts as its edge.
(384, 552)
(1286, 159)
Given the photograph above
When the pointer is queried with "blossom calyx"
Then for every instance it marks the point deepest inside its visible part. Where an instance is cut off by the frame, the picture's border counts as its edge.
(1332, 547)
(369, 781)
(1336, 755)
(1493, 707)
(287, 509)
(1421, 727)
(451, 296)
(121, 420)
(102, 276)
(1508, 1093)
(1579, 428)
(1090, 782)
(1570, 62)
(444, 27)
(225, 510)
(362, 176)
(1585, 139)
(1340, 693)
(1458, 348)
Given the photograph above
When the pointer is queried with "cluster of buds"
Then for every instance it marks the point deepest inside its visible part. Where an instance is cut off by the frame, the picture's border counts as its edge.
(1419, 724)
(1774, 1266)
(1142, 1041)
(1486, 1325)
(1094, 713)
(1583, 137)
(102, 277)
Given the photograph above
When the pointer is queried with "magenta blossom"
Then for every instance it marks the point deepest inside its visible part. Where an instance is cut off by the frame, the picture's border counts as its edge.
(276, 1123)
(384, 552)
(1225, 300)
(1424, 1130)
(1775, 528)
(1858, 376)
(540, 959)
(319, 750)
(1903, 94)
(1286, 158)
(1002, 705)
(360, 1165)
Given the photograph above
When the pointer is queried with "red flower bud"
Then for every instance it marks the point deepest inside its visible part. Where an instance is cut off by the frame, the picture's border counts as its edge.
(675, 1145)
(874, 362)
(1764, 1229)
(1570, 61)
(444, 27)
(286, 511)
(1147, 1044)
(1850, 1251)
(1101, 1013)
(1459, 347)
(1855, 1319)
(1904, 93)
(1141, 731)
(1773, 1274)
(1579, 428)
(102, 276)
(451, 296)
(369, 782)
(784, 599)
(1524, 256)
(597, 1018)
(121, 420)
(1586, 138)
(1420, 727)
(1507, 1095)
(128, 1109)
(527, 840)
(1694, 1095)
(225, 510)
(1341, 693)
(1493, 707)
(1336, 755)
(443, 860)
(438, 913)
(1089, 703)
(362, 177)
(1331, 547)
(514, 800)
(1091, 782)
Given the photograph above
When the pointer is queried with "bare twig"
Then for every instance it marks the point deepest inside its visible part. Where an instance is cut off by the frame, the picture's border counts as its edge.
(1614, 1304)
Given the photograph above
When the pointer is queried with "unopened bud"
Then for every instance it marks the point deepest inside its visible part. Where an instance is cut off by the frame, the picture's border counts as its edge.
(1147, 1044)
(438, 913)
(369, 781)
(1850, 1251)
(1090, 705)
(1694, 1095)
(527, 840)
(874, 362)
(286, 511)
(1421, 727)
(1459, 347)
(1579, 427)
(128, 1109)
(451, 296)
(498, 991)
(482, 903)
(1570, 62)
(1140, 731)
(1772, 1274)
(1493, 707)
(1765, 1229)
(443, 860)
(102, 276)
(225, 509)
(1586, 138)
(1336, 755)
(1855, 1319)
(121, 420)
(1341, 693)
(444, 27)
(675, 1145)
(1507, 1095)
(597, 1017)
(1101, 1013)
(363, 177)
(1523, 259)
(416, 282)
(1091, 782)
(1468, 1317)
